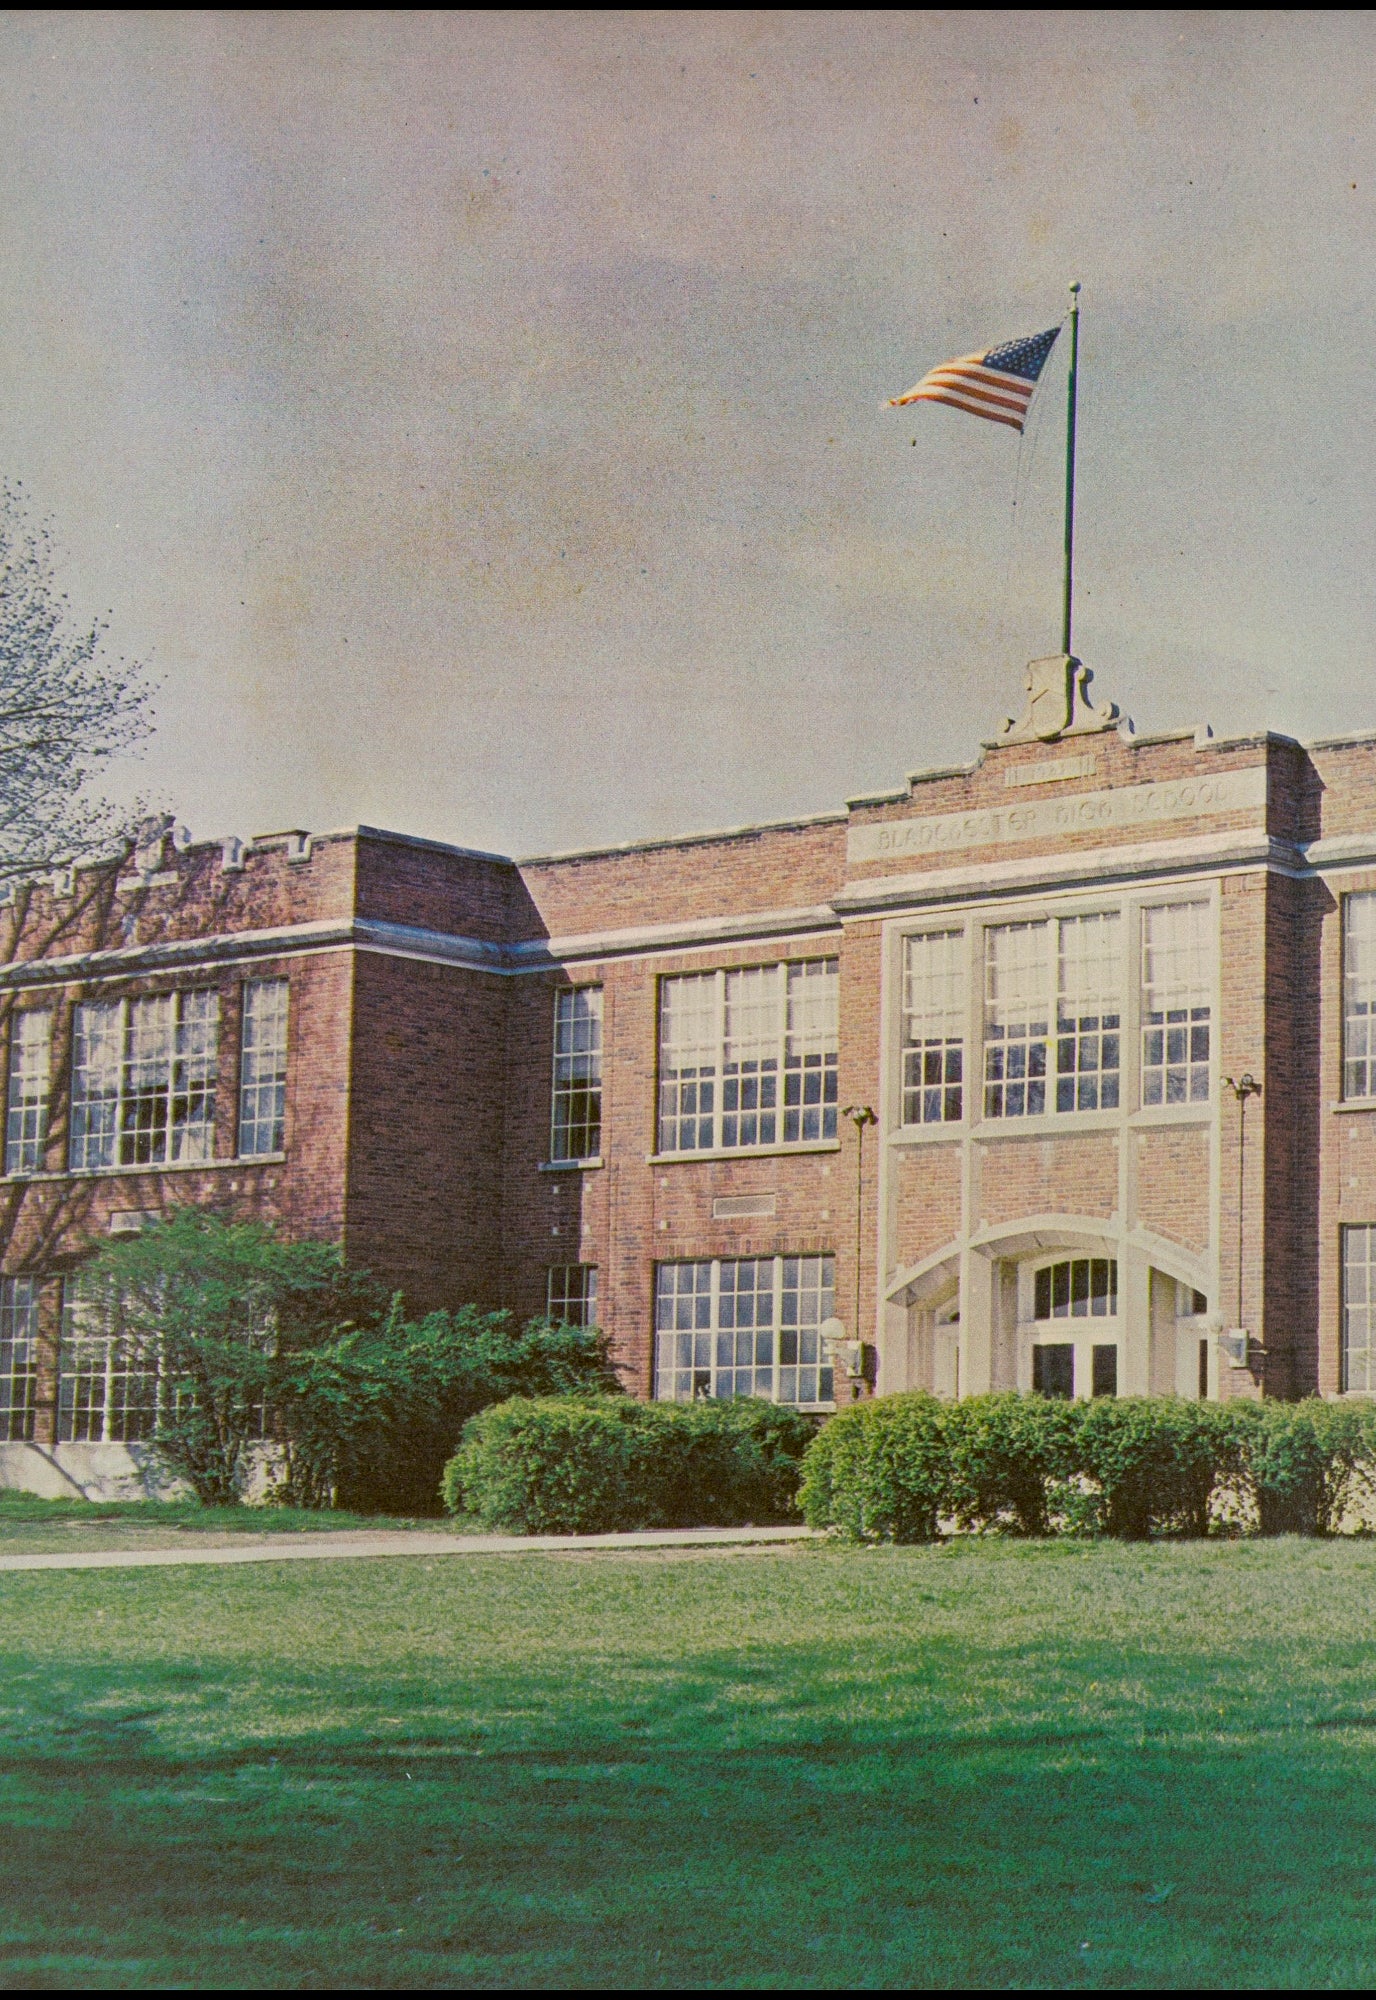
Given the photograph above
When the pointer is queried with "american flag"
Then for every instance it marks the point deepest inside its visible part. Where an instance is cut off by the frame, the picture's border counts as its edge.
(997, 385)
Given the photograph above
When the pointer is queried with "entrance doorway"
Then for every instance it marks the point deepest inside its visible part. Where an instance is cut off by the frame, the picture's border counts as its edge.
(1074, 1331)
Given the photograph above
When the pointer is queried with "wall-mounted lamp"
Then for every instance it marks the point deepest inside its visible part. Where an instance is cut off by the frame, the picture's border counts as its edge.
(860, 1115)
(1235, 1341)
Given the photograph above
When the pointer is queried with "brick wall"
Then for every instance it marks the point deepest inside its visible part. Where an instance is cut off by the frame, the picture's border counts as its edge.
(425, 1068)
(927, 1201)
(1076, 1175)
(1173, 1185)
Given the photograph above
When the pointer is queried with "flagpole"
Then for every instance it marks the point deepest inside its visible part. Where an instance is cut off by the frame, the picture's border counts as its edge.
(1071, 385)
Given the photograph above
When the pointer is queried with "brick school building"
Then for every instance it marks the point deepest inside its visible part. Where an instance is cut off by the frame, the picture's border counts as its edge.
(970, 1066)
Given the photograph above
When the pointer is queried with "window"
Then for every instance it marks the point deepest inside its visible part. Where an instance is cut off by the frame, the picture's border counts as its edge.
(743, 1327)
(1177, 989)
(748, 1058)
(1359, 1308)
(1016, 1013)
(263, 1068)
(1088, 1017)
(1079, 1288)
(577, 1123)
(934, 1028)
(26, 1125)
(107, 1387)
(572, 1294)
(18, 1358)
(1074, 966)
(143, 1080)
(1359, 996)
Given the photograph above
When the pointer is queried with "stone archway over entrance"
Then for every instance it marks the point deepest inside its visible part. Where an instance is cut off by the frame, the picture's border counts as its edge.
(1061, 1303)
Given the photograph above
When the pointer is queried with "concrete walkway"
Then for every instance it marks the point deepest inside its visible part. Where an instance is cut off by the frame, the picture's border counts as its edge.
(325, 1545)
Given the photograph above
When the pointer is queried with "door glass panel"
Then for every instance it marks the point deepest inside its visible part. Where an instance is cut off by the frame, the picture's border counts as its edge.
(1053, 1368)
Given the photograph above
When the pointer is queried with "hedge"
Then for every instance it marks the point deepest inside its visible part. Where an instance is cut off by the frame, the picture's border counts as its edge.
(881, 1471)
(907, 1468)
(1305, 1464)
(590, 1465)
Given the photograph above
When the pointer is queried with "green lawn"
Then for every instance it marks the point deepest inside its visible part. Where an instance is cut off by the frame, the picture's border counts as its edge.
(1065, 1765)
(67, 1526)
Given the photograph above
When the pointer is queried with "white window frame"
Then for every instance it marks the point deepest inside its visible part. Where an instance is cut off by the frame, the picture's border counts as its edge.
(761, 1078)
(1190, 1005)
(263, 1069)
(18, 1359)
(934, 1035)
(1006, 1096)
(680, 1380)
(184, 1063)
(1358, 1303)
(577, 1073)
(1084, 1025)
(29, 1089)
(1007, 1099)
(1359, 992)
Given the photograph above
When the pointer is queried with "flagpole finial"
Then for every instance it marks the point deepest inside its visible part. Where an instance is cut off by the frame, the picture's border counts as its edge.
(1075, 291)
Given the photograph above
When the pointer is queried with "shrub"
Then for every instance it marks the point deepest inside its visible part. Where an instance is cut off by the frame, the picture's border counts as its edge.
(1156, 1461)
(1303, 1463)
(369, 1419)
(1011, 1456)
(590, 1465)
(881, 1471)
(217, 1304)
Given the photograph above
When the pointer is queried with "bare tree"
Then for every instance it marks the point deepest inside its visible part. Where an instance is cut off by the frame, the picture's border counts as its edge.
(66, 708)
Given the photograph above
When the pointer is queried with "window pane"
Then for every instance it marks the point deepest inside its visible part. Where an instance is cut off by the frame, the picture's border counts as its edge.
(145, 1109)
(572, 1294)
(263, 1068)
(1016, 1011)
(1088, 1015)
(97, 1063)
(934, 1028)
(18, 1358)
(1359, 1308)
(194, 1076)
(577, 1123)
(750, 1067)
(107, 1387)
(1177, 994)
(810, 1053)
(1104, 1370)
(683, 1332)
(689, 1050)
(1053, 1369)
(1359, 995)
(26, 1126)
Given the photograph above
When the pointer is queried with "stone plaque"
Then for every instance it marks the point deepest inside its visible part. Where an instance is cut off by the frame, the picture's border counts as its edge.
(1130, 806)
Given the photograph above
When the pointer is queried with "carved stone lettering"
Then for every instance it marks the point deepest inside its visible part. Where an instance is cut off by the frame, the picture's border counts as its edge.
(1052, 819)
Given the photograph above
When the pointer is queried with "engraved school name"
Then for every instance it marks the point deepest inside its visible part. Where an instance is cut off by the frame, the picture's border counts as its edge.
(1049, 819)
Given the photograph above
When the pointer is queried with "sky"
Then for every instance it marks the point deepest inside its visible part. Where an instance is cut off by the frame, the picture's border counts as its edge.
(478, 420)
